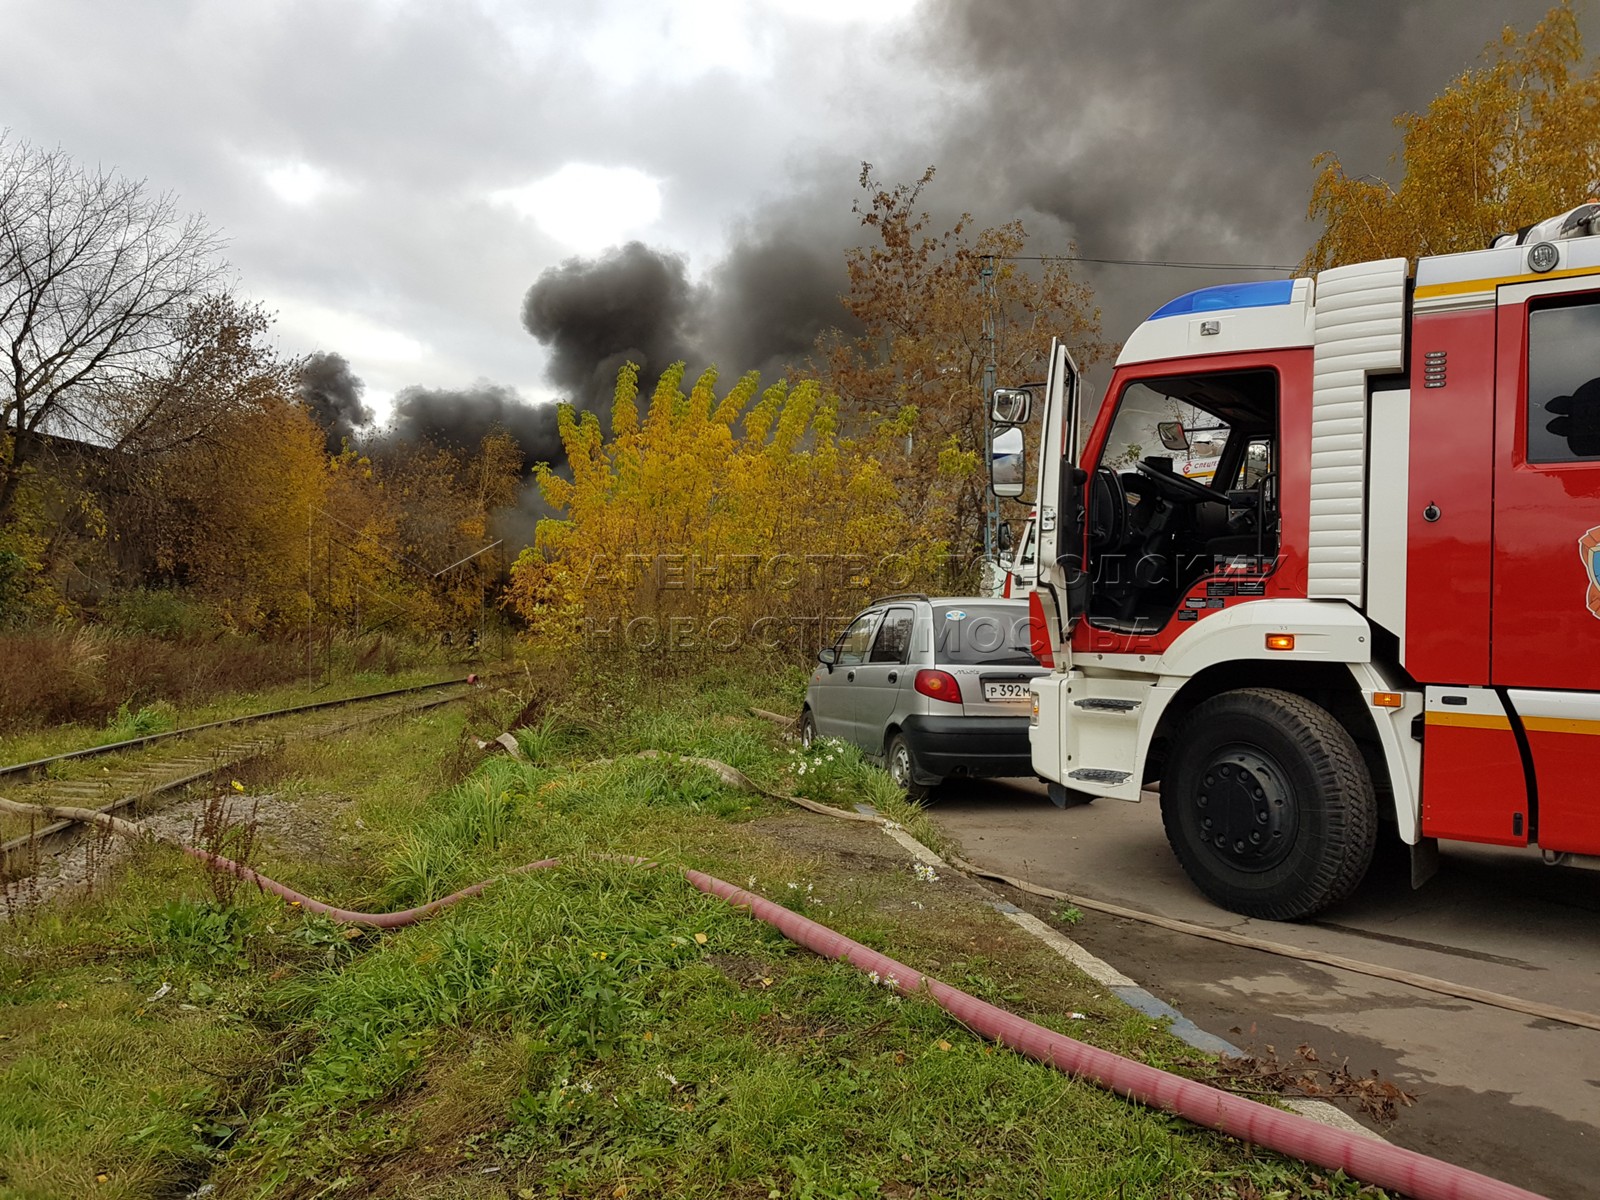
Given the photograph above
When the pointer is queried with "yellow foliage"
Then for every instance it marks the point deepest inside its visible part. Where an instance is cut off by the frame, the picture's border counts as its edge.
(1508, 144)
(250, 496)
(709, 522)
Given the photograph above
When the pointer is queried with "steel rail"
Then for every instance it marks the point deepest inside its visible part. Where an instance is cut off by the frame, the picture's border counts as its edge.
(40, 764)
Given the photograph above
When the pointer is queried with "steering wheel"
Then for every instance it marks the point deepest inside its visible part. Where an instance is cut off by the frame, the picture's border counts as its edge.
(1179, 488)
(1108, 511)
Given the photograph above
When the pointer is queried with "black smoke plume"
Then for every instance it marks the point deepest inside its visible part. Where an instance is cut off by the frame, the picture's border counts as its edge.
(1151, 130)
(460, 418)
(633, 304)
(331, 391)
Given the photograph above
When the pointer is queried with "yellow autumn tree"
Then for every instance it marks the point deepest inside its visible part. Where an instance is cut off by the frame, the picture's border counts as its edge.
(707, 522)
(1505, 145)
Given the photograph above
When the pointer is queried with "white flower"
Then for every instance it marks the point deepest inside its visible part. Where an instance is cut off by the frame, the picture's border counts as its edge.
(751, 882)
(794, 887)
(585, 1087)
(875, 978)
(924, 872)
(891, 983)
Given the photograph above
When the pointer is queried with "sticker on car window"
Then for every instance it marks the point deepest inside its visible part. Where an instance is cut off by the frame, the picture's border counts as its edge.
(955, 614)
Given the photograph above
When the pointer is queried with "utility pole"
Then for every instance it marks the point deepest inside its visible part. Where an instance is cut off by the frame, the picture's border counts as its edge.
(991, 513)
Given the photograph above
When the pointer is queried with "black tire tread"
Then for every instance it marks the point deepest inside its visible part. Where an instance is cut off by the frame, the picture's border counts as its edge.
(1342, 771)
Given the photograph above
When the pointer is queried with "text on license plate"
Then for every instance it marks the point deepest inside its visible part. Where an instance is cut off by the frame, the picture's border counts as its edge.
(1013, 690)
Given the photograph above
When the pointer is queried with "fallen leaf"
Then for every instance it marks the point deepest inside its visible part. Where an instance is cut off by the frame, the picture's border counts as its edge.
(943, 1045)
(700, 938)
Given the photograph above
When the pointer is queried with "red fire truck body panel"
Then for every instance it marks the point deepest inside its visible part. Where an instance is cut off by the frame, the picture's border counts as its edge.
(1546, 630)
(1450, 561)
(1474, 786)
(1564, 762)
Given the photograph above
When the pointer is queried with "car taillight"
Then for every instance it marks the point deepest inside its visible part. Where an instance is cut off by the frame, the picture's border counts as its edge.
(938, 685)
(1038, 633)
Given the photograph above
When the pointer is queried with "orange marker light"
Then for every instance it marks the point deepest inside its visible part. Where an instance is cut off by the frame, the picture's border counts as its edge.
(1387, 699)
(1280, 641)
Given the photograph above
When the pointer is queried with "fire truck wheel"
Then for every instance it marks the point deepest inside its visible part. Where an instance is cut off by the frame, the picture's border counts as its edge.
(1268, 804)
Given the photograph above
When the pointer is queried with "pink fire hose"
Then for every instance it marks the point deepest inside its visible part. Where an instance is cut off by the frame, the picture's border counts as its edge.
(1366, 1159)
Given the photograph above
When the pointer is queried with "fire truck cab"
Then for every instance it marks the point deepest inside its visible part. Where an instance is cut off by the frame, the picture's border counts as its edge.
(1326, 557)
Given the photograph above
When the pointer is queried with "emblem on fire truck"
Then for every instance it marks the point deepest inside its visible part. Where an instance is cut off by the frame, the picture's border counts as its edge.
(1589, 552)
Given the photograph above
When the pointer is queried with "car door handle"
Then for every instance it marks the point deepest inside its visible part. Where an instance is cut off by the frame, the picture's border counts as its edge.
(893, 675)
(850, 676)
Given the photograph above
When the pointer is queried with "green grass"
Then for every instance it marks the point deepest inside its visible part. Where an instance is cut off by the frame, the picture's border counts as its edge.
(598, 1029)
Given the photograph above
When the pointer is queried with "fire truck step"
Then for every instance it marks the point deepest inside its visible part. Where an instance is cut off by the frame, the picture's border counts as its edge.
(1107, 704)
(1099, 775)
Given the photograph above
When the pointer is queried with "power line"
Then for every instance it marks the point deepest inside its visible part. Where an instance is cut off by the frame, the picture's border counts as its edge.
(1143, 262)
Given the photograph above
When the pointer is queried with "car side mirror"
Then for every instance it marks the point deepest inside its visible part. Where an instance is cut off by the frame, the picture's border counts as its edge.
(827, 656)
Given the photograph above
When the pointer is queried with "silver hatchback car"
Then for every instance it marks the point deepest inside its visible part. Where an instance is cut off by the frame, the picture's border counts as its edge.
(933, 687)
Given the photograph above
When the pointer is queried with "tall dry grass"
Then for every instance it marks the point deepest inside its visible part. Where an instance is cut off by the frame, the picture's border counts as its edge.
(58, 676)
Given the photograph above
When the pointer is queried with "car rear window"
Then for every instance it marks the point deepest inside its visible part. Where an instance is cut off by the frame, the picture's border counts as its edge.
(982, 635)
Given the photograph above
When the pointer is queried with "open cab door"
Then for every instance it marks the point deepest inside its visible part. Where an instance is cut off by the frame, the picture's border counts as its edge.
(1060, 598)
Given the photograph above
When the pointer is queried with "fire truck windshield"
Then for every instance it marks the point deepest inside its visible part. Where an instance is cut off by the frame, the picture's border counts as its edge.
(1135, 434)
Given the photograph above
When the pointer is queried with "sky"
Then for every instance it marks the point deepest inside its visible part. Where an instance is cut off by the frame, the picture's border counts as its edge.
(481, 202)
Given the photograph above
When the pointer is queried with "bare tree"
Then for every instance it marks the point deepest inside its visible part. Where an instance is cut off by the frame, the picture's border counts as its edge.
(97, 275)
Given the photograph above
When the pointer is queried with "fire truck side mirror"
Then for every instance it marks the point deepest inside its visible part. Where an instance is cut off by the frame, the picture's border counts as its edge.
(1172, 435)
(1007, 464)
(1010, 406)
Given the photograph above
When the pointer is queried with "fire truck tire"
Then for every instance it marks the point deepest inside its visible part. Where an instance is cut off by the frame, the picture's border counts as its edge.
(1268, 804)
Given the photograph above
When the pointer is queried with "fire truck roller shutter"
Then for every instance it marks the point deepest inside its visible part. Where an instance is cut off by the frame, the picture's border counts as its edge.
(1360, 332)
(1563, 732)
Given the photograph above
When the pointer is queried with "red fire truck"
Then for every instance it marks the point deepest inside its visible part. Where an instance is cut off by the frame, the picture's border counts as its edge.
(1383, 603)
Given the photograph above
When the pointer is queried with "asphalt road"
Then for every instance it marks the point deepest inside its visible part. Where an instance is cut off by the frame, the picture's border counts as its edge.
(1510, 1095)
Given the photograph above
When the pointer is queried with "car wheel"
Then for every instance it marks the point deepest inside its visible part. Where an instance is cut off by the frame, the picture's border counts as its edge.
(1269, 805)
(808, 729)
(902, 769)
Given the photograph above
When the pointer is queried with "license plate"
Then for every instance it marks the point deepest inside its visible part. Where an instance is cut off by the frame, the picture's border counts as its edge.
(1016, 690)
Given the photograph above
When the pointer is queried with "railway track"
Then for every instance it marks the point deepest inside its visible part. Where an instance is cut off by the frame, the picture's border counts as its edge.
(132, 786)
